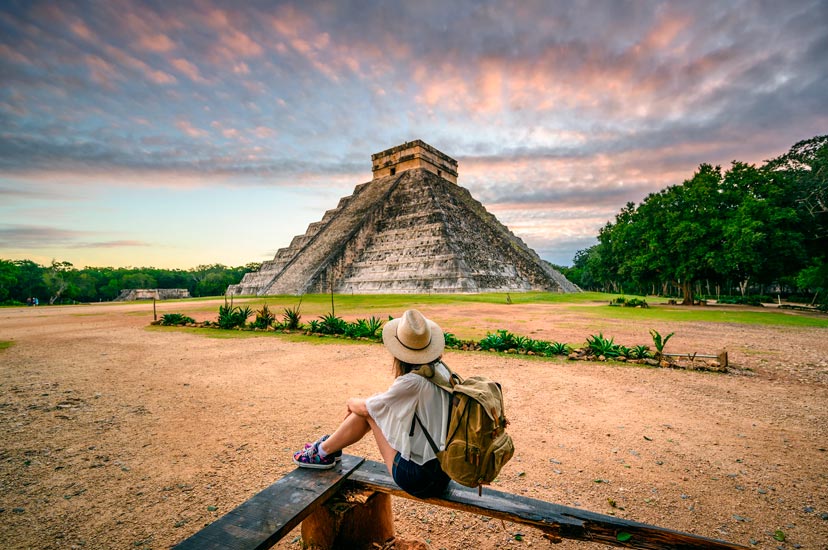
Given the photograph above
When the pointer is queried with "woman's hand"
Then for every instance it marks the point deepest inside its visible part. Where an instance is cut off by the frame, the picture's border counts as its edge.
(357, 406)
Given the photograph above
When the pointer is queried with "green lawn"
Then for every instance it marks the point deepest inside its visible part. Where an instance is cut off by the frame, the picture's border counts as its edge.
(709, 314)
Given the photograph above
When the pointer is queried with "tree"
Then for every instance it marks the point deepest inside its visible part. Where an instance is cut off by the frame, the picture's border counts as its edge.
(57, 279)
(8, 279)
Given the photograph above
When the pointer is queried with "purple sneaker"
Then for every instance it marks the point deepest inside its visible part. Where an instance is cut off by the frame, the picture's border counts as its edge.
(309, 458)
(336, 454)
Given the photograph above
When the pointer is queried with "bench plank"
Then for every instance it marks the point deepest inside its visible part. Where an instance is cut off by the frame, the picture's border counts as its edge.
(267, 517)
(555, 520)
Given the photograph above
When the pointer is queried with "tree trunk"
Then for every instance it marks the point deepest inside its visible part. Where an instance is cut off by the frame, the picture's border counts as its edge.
(687, 290)
(743, 286)
(350, 520)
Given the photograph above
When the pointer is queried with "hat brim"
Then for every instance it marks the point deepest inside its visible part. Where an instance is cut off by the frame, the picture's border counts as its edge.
(415, 357)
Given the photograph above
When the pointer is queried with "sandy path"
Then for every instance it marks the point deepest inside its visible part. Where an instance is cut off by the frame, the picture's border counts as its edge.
(115, 436)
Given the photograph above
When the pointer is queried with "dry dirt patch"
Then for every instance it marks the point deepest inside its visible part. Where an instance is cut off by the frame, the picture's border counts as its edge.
(116, 436)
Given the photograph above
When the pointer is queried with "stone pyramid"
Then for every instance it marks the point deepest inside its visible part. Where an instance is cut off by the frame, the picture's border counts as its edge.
(411, 229)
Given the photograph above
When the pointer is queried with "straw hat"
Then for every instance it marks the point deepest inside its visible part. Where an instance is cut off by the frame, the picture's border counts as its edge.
(413, 339)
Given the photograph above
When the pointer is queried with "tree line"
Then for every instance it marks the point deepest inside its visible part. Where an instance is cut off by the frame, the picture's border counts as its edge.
(748, 229)
(60, 282)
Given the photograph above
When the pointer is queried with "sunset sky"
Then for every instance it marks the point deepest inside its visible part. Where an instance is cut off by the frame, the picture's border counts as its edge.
(172, 134)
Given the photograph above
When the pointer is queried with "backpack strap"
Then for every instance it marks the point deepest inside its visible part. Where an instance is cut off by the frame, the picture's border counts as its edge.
(416, 420)
(428, 372)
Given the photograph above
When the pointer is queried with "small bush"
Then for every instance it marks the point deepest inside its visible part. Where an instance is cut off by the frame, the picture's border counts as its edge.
(264, 318)
(640, 352)
(559, 348)
(501, 340)
(171, 319)
(452, 341)
(598, 345)
(291, 318)
(233, 316)
(629, 302)
(331, 324)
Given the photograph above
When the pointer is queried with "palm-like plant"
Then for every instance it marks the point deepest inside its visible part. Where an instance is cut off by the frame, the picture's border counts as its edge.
(659, 342)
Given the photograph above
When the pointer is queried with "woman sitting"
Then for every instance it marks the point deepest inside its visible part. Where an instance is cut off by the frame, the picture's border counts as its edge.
(415, 343)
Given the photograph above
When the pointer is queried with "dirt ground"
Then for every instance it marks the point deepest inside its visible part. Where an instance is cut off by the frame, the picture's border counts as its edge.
(117, 435)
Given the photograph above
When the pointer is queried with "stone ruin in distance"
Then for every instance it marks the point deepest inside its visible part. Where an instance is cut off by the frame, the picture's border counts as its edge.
(411, 229)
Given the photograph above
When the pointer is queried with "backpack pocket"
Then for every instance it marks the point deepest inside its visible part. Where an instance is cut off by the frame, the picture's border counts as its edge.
(501, 450)
(461, 462)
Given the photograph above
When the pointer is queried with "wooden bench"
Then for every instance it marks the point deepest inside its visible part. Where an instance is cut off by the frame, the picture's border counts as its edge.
(261, 521)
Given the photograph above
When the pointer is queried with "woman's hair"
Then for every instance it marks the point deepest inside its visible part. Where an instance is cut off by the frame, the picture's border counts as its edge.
(401, 367)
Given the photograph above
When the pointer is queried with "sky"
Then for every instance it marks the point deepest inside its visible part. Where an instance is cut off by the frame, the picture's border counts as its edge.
(175, 134)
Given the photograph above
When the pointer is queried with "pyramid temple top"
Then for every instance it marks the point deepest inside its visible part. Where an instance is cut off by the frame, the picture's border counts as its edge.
(410, 155)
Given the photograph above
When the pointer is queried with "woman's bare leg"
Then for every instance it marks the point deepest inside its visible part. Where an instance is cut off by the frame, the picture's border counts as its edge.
(354, 428)
(386, 450)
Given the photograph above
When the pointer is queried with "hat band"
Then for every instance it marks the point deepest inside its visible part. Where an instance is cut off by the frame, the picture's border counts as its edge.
(403, 344)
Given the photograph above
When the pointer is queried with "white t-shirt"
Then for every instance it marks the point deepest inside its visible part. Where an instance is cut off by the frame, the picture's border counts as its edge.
(393, 411)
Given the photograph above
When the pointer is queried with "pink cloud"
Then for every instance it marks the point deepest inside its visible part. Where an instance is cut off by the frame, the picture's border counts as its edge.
(102, 72)
(155, 75)
(80, 29)
(13, 56)
(298, 33)
(263, 132)
(188, 69)
(157, 43)
(189, 129)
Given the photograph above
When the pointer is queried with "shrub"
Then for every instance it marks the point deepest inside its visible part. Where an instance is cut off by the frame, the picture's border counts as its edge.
(170, 319)
(292, 318)
(598, 345)
(452, 341)
(629, 302)
(659, 342)
(331, 324)
(233, 316)
(640, 352)
(264, 317)
(363, 328)
(559, 348)
(501, 340)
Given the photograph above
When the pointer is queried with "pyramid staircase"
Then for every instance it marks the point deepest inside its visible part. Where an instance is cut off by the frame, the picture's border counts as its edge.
(413, 232)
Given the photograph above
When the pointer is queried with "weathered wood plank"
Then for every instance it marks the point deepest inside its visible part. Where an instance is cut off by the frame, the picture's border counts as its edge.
(264, 519)
(555, 520)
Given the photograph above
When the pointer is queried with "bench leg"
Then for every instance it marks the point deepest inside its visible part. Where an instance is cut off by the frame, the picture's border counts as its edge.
(350, 520)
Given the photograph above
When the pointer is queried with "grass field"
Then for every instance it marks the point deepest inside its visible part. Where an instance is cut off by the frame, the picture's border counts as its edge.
(593, 305)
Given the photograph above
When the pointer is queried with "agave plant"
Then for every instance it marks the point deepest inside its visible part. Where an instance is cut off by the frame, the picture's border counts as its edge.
(331, 324)
(559, 348)
(373, 326)
(640, 352)
(264, 317)
(231, 316)
(599, 345)
(313, 325)
(291, 318)
(498, 341)
(451, 340)
(171, 319)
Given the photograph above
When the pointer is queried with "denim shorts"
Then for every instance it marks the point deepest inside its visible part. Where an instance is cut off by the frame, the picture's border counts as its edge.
(424, 481)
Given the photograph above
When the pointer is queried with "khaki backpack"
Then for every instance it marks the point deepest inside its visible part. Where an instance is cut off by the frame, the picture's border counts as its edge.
(477, 445)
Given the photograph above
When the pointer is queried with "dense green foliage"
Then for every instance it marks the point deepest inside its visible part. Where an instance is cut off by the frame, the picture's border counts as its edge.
(173, 319)
(61, 282)
(745, 229)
